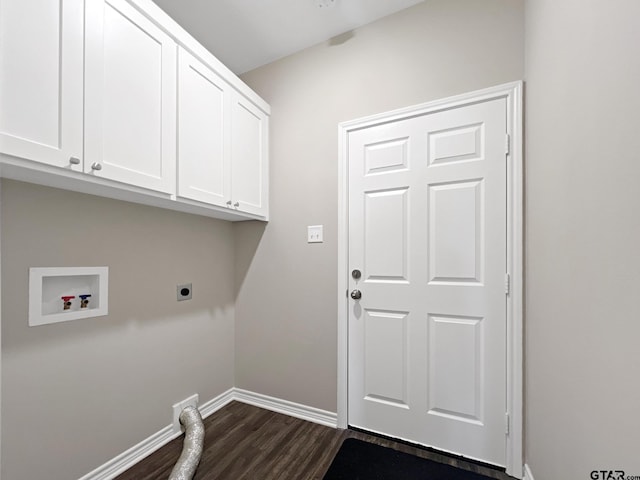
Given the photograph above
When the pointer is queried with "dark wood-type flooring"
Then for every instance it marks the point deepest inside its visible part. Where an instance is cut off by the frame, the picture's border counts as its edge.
(243, 442)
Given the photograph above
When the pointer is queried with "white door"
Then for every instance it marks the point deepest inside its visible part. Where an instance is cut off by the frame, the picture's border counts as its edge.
(41, 73)
(249, 153)
(427, 230)
(130, 90)
(204, 156)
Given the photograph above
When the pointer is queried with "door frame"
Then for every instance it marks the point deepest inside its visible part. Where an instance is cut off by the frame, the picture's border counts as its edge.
(513, 94)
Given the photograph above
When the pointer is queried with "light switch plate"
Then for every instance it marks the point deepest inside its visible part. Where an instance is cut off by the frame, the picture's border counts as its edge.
(314, 234)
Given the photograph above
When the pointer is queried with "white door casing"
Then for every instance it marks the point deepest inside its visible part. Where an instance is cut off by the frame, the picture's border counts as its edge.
(425, 346)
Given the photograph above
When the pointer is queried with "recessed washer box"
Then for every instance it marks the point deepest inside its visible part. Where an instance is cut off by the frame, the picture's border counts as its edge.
(48, 286)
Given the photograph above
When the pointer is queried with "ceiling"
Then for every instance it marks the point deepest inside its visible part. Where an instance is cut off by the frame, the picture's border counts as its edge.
(245, 34)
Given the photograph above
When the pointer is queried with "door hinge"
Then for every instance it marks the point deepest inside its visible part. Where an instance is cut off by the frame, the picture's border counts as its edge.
(507, 144)
(507, 284)
(506, 424)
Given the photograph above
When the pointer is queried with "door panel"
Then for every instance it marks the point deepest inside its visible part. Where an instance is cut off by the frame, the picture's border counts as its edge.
(132, 74)
(386, 357)
(130, 97)
(41, 72)
(456, 144)
(203, 148)
(427, 227)
(249, 147)
(386, 235)
(386, 156)
(456, 232)
(455, 368)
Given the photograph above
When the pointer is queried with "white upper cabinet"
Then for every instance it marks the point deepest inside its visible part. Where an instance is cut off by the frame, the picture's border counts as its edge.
(113, 98)
(222, 141)
(41, 74)
(204, 156)
(130, 91)
(249, 154)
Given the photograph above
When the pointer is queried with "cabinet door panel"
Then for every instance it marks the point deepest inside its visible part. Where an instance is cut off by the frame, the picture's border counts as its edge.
(130, 97)
(41, 79)
(249, 150)
(203, 129)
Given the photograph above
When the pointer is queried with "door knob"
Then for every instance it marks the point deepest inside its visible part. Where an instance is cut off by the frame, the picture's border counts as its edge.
(356, 294)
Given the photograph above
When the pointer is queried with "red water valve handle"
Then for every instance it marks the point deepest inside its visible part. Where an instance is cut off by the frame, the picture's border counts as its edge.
(67, 298)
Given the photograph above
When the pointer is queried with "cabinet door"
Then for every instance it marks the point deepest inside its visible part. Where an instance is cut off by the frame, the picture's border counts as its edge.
(41, 75)
(130, 90)
(203, 133)
(249, 157)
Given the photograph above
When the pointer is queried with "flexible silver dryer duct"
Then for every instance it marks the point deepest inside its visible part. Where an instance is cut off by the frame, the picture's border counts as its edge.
(186, 465)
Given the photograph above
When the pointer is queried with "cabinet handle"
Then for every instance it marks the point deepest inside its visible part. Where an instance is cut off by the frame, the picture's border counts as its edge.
(237, 204)
(74, 161)
(96, 166)
(228, 203)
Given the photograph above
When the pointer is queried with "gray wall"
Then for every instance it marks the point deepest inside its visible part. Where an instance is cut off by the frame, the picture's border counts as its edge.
(583, 235)
(77, 394)
(287, 301)
(121, 373)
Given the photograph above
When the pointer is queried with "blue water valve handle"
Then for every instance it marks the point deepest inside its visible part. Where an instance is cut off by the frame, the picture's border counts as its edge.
(84, 300)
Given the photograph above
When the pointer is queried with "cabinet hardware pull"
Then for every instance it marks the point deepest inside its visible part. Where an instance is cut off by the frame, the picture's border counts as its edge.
(237, 204)
(96, 166)
(74, 161)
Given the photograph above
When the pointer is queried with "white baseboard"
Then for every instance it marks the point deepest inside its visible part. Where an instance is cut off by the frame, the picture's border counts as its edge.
(128, 459)
(216, 404)
(311, 414)
(527, 473)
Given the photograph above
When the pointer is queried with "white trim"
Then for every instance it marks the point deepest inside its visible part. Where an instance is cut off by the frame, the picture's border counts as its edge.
(50, 176)
(128, 459)
(512, 92)
(515, 262)
(146, 447)
(343, 275)
(527, 473)
(304, 412)
(215, 404)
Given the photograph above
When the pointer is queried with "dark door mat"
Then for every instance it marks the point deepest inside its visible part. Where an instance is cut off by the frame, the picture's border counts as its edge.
(359, 460)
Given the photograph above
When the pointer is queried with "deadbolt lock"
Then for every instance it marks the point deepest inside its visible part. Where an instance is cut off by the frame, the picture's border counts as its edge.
(356, 274)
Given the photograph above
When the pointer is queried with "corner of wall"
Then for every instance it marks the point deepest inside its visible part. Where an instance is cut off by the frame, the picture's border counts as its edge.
(527, 473)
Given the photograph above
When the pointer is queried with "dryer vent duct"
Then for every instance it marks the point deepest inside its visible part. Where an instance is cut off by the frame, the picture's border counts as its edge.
(186, 465)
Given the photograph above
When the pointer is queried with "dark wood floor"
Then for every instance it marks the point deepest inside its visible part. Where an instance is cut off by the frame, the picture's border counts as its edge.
(243, 442)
